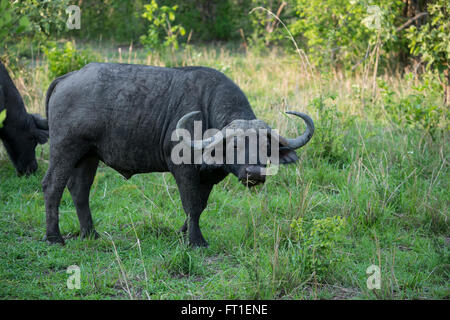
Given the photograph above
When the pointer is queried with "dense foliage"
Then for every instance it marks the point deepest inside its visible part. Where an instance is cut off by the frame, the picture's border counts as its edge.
(28, 22)
(338, 35)
(66, 59)
(432, 41)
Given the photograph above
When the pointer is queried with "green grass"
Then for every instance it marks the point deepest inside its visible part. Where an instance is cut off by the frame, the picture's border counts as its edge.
(389, 183)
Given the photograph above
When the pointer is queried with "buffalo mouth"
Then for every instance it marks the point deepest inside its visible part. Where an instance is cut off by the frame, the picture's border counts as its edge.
(252, 176)
(251, 183)
(28, 170)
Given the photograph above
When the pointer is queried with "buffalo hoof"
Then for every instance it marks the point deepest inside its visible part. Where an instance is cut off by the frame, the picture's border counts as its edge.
(198, 243)
(54, 239)
(91, 234)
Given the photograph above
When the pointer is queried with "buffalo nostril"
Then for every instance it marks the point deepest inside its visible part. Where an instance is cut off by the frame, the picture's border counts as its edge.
(254, 173)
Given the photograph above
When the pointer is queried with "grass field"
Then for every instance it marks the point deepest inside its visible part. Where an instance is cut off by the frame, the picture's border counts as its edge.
(367, 191)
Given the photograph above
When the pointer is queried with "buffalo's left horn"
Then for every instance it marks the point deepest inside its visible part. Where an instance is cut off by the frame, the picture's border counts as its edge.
(196, 144)
(300, 141)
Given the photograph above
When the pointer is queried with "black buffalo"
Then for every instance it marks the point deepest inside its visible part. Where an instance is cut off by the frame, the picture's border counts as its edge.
(125, 115)
(20, 132)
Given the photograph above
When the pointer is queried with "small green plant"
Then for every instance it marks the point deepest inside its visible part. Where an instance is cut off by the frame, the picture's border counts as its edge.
(161, 19)
(183, 262)
(2, 117)
(66, 59)
(328, 141)
(318, 240)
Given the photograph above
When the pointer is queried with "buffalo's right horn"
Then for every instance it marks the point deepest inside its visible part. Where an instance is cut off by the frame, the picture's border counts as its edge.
(300, 141)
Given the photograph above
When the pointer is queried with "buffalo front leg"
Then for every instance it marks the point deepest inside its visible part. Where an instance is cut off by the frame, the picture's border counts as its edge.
(194, 197)
(79, 185)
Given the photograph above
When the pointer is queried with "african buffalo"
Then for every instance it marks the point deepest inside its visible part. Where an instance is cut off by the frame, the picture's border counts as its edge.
(125, 116)
(20, 132)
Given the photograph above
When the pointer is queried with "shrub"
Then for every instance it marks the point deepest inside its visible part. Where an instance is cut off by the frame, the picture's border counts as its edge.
(432, 42)
(328, 140)
(66, 59)
(161, 19)
(26, 23)
(338, 32)
(317, 242)
(418, 109)
(120, 20)
(11, 25)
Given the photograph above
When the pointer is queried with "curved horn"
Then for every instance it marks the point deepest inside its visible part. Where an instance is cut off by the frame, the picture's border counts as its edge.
(196, 144)
(300, 141)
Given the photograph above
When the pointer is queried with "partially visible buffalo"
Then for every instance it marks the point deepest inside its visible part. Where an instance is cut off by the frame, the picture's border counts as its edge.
(20, 132)
(125, 116)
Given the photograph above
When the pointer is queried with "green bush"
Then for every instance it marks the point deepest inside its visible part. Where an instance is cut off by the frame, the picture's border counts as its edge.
(213, 19)
(26, 23)
(317, 241)
(66, 59)
(331, 128)
(432, 42)
(115, 20)
(161, 31)
(338, 33)
(418, 109)
(12, 25)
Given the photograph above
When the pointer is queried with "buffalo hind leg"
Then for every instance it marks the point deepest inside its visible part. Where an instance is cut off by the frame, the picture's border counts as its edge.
(53, 185)
(79, 185)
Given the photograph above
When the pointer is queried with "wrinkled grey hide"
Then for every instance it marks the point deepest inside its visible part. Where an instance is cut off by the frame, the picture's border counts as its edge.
(124, 116)
(21, 132)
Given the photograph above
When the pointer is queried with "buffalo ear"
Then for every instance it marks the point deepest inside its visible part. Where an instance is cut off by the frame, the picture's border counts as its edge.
(41, 132)
(287, 155)
(41, 136)
(40, 122)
